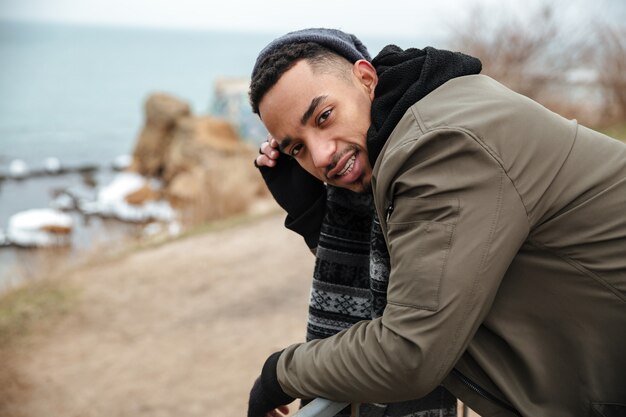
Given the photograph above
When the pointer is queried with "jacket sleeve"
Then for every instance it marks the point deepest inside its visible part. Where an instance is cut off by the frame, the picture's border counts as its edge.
(455, 225)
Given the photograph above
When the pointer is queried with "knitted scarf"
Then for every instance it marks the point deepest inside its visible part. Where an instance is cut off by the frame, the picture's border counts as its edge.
(352, 263)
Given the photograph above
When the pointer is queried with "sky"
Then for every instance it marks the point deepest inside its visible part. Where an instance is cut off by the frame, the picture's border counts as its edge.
(403, 18)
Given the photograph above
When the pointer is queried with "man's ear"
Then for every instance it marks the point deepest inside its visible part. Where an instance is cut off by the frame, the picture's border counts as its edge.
(365, 72)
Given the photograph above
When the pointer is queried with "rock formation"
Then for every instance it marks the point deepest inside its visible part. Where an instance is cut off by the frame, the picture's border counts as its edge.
(161, 112)
(206, 168)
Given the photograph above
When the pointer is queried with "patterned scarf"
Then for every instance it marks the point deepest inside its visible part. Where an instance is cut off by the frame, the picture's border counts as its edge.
(352, 263)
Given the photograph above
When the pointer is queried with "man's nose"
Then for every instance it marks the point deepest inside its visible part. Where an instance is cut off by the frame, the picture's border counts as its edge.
(323, 152)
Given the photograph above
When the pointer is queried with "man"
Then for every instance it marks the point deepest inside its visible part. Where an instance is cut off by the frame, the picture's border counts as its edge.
(505, 226)
(351, 267)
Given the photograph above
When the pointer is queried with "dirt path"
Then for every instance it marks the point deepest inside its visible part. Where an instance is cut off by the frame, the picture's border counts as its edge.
(177, 330)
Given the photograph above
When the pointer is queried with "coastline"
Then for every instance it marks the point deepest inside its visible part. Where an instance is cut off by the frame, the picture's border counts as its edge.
(89, 232)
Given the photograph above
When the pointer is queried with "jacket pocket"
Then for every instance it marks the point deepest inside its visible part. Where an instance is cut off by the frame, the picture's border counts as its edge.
(419, 236)
(608, 410)
(419, 251)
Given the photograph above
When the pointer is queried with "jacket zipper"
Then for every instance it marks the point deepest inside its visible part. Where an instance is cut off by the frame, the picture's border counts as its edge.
(484, 393)
(389, 211)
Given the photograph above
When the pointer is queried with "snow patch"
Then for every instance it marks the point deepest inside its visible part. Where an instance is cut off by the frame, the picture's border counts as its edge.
(40, 227)
(18, 169)
(52, 165)
(111, 201)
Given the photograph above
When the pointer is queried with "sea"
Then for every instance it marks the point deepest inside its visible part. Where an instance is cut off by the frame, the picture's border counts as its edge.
(76, 93)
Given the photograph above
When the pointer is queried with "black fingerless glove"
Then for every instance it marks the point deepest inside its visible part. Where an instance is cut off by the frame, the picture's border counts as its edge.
(267, 394)
(301, 195)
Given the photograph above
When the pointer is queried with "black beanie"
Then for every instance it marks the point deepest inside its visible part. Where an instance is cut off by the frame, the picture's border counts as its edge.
(344, 44)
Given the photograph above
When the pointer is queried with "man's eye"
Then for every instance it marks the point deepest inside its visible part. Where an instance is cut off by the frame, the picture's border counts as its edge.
(295, 150)
(325, 115)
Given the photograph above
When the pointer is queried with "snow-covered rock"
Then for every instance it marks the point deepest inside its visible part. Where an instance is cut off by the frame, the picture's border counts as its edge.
(18, 169)
(123, 184)
(40, 227)
(111, 201)
(52, 165)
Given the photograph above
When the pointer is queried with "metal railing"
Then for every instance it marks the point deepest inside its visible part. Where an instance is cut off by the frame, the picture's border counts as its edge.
(321, 407)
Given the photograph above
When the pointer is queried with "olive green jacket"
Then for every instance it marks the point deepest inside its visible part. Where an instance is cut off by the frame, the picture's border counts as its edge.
(506, 227)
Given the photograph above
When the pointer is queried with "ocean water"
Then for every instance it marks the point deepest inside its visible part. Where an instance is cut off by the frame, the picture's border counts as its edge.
(76, 93)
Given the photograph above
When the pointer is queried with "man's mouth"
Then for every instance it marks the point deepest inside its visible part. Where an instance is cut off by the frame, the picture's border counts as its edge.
(344, 166)
(348, 167)
(349, 171)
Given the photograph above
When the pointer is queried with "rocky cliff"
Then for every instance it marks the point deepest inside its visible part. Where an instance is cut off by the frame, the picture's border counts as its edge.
(206, 169)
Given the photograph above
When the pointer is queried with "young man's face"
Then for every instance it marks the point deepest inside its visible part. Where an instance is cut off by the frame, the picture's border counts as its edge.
(321, 119)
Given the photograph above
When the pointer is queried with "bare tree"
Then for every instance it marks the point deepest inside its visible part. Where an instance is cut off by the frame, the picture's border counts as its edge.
(524, 54)
(610, 63)
(578, 70)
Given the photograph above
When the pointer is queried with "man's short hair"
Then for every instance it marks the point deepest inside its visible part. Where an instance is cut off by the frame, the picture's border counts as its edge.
(274, 65)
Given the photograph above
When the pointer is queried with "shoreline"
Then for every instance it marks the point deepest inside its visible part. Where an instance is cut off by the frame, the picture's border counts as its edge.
(105, 237)
(61, 191)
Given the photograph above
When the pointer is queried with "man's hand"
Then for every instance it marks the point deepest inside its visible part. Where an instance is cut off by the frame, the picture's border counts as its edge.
(262, 404)
(301, 194)
(267, 398)
(268, 153)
